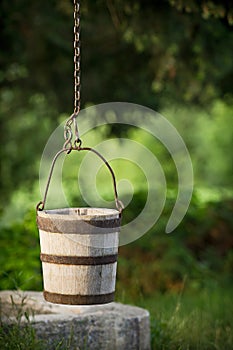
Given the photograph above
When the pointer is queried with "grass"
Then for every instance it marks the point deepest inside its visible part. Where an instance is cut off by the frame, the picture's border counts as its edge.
(192, 321)
(17, 332)
(179, 321)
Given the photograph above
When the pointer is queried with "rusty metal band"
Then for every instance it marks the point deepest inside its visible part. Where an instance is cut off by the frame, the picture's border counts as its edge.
(79, 226)
(78, 260)
(78, 299)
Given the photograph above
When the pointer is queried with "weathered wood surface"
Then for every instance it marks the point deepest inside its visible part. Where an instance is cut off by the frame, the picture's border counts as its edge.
(81, 264)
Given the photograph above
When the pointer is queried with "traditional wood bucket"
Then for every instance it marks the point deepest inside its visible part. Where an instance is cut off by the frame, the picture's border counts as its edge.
(79, 248)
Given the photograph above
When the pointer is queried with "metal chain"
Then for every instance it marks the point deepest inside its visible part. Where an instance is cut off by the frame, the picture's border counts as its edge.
(68, 134)
(69, 144)
(77, 84)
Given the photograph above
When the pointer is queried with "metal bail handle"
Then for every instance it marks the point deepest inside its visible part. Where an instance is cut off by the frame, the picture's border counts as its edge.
(119, 205)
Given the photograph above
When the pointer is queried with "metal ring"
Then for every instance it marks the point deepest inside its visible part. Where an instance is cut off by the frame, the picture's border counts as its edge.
(40, 206)
(78, 143)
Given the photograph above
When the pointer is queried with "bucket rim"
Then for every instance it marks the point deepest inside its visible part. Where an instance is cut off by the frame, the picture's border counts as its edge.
(80, 213)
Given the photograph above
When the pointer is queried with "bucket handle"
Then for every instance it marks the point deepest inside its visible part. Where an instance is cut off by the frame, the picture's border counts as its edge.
(119, 205)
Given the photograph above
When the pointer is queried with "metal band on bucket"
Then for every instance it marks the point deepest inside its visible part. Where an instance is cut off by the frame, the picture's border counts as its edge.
(79, 260)
(78, 299)
(50, 224)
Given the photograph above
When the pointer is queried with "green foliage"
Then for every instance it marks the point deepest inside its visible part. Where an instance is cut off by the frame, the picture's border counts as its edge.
(182, 64)
(200, 248)
(19, 261)
(208, 137)
(208, 9)
(159, 54)
(23, 133)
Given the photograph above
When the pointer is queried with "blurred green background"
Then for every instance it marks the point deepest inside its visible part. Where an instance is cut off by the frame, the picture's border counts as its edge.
(172, 56)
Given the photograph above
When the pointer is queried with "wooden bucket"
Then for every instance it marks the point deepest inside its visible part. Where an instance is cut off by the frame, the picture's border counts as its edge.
(79, 249)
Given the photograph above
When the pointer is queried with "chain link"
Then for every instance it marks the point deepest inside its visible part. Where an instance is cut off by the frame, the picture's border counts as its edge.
(68, 134)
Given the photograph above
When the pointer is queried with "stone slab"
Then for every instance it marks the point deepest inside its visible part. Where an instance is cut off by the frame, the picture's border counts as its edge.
(111, 326)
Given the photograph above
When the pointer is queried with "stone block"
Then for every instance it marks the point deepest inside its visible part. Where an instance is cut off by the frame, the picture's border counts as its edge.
(111, 326)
